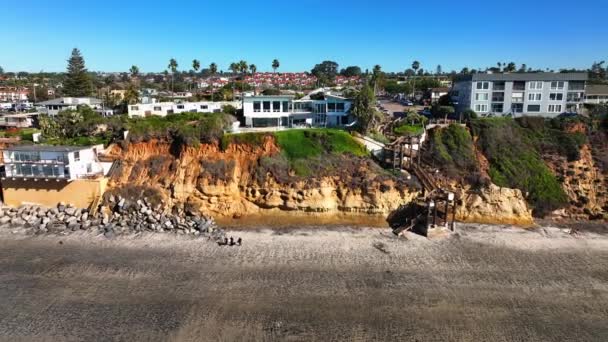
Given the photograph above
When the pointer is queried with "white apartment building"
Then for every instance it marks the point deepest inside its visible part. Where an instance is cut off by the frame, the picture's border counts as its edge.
(168, 108)
(321, 110)
(544, 93)
(68, 163)
(53, 107)
(13, 94)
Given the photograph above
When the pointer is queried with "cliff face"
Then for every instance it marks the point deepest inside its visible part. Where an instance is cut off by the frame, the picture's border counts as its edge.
(493, 204)
(228, 182)
(585, 185)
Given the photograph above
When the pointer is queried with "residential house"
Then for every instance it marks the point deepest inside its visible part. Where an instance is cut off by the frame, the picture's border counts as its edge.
(437, 93)
(596, 93)
(545, 94)
(19, 120)
(13, 94)
(46, 175)
(54, 106)
(319, 109)
(168, 108)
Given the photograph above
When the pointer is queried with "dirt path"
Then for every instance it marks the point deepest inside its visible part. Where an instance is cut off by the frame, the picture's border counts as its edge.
(484, 284)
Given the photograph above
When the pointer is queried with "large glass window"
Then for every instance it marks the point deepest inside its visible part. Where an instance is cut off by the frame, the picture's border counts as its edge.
(285, 106)
(533, 108)
(340, 107)
(535, 96)
(256, 106)
(536, 85)
(556, 96)
(557, 85)
(266, 106)
(555, 108)
(331, 107)
(483, 85)
(482, 96)
(481, 108)
(276, 106)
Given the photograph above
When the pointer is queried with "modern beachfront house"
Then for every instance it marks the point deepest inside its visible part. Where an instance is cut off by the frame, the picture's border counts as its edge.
(544, 93)
(168, 108)
(318, 109)
(47, 175)
(54, 106)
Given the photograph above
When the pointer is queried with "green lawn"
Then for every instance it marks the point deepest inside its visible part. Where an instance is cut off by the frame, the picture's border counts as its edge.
(307, 143)
(406, 129)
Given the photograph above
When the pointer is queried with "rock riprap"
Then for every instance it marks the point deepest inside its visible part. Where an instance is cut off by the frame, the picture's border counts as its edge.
(122, 218)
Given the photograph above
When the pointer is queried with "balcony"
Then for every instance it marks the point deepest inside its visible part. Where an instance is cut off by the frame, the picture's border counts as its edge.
(4, 175)
(37, 162)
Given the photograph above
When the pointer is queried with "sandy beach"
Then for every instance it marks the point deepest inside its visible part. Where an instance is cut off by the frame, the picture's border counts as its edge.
(484, 283)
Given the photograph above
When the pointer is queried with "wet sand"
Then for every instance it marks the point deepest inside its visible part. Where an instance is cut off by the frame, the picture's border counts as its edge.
(482, 284)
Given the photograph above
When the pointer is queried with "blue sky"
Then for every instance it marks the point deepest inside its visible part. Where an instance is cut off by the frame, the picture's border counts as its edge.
(113, 35)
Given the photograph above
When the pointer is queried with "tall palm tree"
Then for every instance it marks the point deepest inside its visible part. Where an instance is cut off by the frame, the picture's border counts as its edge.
(253, 70)
(196, 65)
(375, 76)
(243, 67)
(275, 65)
(134, 71)
(212, 71)
(415, 66)
(173, 67)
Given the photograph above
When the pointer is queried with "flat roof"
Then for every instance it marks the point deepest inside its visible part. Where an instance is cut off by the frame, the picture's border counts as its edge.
(525, 76)
(46, 148)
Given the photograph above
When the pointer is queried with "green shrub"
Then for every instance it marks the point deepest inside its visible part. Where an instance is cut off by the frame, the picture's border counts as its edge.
(515, 162)
(407, 129)
(452, 150)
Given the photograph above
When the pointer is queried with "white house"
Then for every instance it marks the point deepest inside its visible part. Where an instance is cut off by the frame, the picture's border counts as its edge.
(168, 108)
(38, 162)
(317, 109)
(437, 93)
(53, 107)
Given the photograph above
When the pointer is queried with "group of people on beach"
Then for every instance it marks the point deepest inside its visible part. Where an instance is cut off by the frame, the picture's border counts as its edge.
(230, 242)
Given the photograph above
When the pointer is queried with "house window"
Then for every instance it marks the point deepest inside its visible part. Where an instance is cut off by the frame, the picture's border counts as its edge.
(256, 106)
(266, 106)
(555, 85)
(533, 108)
(285, 106)
(556, 96)
(481, 108)
(134, 108)
(340, 107)
(535, 96)
(157, 109)
(180, 106)
(276, 106)
(536, 85)
(331, 107)
(204, 107)
(497, 107)
(555, 108)
(483, 85)
(482, 96)
(77, 156)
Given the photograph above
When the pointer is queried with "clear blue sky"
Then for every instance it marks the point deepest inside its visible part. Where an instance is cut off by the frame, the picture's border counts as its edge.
(113, 35)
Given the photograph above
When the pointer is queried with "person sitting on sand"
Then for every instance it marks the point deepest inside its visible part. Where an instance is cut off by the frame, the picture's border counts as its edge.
(239, 241)
(231, 241)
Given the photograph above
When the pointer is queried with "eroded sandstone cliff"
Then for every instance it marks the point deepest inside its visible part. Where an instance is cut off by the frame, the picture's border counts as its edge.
(231, 182)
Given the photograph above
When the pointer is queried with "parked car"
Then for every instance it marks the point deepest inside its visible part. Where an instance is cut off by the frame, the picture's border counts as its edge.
(407, 103)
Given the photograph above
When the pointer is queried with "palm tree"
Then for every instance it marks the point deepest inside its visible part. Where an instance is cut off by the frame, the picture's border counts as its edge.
(234, 67)
(173, 67)
(196, 65)
(134, 71)
(253, 70)
(243, 67)
(375, 76)
(415, 66)
(275, 65)
(212, 71)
